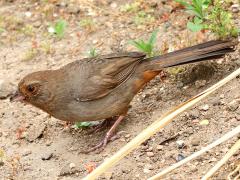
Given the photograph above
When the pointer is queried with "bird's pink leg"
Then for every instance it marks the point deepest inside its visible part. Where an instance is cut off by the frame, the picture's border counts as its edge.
(107, 137)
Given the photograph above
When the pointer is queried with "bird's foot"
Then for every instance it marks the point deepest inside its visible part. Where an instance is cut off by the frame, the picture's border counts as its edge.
(108, 137)
(104, 124)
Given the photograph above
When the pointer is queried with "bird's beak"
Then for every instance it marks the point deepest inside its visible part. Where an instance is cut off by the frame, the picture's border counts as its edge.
(17, 96)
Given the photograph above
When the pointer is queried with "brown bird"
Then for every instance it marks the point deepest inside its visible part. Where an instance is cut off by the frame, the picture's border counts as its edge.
(102, 87)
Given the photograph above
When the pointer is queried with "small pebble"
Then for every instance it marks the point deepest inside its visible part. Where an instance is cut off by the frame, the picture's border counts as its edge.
(146, 171)
(235, 8)
(128, 136)
(72, 165)
(180, 144)
(194, 114)
(147, 168)
(48, 143)
(200, 83)
(113, 5)
(26, 152)
(180, 157)
(195, 142)
(222, 96)
(204, 122)
(150, 154)
(159, 147)
(51, 30)
(46, 156)
(233, 105)
(205, 107)
(28, 14)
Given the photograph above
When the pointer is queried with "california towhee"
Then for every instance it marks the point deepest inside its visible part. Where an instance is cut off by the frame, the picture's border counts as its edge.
(102, 87)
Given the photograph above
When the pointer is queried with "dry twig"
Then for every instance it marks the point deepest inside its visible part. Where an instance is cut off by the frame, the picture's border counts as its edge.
(198, 153)
(220, 163)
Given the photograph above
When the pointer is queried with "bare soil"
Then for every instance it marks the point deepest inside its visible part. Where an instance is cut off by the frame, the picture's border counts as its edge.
(36, 146)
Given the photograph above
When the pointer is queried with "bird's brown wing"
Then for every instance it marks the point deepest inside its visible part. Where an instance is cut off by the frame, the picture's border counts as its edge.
(101, 75)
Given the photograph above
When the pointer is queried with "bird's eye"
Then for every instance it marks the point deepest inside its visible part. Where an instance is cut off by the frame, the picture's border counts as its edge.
(31, 88)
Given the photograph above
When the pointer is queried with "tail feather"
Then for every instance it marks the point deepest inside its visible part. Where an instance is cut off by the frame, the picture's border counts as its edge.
(201, 52)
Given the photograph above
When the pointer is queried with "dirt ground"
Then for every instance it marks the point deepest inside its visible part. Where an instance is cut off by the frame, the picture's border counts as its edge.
(36, 146)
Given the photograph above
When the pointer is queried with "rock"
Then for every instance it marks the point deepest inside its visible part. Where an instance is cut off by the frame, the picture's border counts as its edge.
(195, 142)
(6, 89)
(216, 102)
(159, 147)
(146, 171)
(180, 144)
(48, 143)
(26, 152)
(204, 122)
(35, 131)
(73, 9)
(180, 157)
(147, 168)
(46, 156)
(67, 170)
(28, 14)
(238, 117)
(200, 83)
(194, 114)
(180, 84)
(150, 154)
(113, 5)
(72, 165)
(204, 107)
(233, 105)
(37, 24)
(235, 8)
(128, 136)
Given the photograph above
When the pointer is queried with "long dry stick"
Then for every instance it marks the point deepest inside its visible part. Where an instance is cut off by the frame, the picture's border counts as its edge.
(224, 138)
(155, 127)
(227, 156)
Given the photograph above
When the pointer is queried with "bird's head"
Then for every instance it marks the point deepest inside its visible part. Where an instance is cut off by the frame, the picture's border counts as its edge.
(34, 89)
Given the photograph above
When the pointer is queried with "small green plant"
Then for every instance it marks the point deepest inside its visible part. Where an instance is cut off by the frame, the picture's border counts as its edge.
(210, 15)
(130, 7)
(221, 22)
(143, 18)
(46, 47)
(92, 52)
(82, 125)
(59, 28)
(30, 54)
(27, 30)
(88, 24)
(146, 47)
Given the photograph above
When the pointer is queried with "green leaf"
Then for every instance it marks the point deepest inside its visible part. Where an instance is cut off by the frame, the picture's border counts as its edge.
(206, 3)
(197, 20)
(194, 27)
(152, 40)
(92, 53)
(146, 47)
(85, 124)
(60, 27)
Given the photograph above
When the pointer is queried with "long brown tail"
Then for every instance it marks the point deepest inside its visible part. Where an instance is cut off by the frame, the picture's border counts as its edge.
(201, 52)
